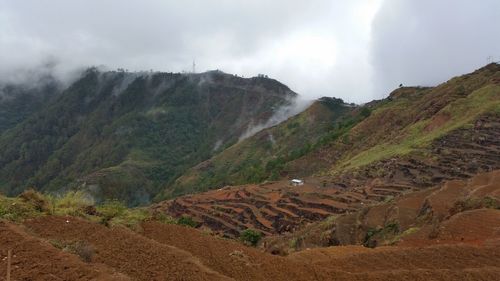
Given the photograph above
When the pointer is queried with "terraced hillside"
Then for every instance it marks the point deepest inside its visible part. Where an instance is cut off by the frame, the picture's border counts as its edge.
(170, 252)
(416, 139)
(460, 211)
(419, 136)
(377, 140)
(270, 208)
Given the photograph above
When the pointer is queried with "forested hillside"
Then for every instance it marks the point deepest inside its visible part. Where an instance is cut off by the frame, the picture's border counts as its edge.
(19, 100)
(125, 135)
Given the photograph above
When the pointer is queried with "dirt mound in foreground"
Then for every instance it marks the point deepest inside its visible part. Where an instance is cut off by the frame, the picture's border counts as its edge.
(34, 259)
(126, 251)
(170, 252)
(452, 262)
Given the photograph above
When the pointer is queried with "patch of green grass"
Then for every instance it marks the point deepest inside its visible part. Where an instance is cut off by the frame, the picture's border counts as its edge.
(376, 236)
(407, 232)
(70, 203)
(33, 204)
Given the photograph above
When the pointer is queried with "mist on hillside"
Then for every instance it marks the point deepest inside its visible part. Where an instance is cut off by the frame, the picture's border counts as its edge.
(354, 50)
(294, 106)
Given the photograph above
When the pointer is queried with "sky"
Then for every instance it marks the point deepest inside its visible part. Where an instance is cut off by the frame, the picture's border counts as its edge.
(358, 50)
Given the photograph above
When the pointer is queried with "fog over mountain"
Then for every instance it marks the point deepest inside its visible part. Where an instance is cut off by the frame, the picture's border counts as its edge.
(355, 50)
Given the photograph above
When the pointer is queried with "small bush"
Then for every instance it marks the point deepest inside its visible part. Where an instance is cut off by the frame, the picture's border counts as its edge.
(132, 218)
(187, 221)
(14, 209)
(82, 249)
(111, 209)
(251, 237)
(71, 203)
(36, 199)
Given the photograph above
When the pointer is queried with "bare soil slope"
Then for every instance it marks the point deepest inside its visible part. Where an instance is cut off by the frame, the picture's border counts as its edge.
(170, 252)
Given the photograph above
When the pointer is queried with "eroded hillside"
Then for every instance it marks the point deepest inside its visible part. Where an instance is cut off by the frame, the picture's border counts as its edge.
(350, 146)
(415, 139)
(444, 233)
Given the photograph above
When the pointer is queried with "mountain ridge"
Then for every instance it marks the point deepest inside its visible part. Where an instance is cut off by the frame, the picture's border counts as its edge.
(108, 126)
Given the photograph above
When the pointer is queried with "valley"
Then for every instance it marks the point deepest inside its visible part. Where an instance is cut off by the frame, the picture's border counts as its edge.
(401, 188)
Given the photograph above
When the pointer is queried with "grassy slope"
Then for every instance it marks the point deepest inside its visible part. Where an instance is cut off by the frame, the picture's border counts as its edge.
(459, 113)
(407, 122)
(31, 204)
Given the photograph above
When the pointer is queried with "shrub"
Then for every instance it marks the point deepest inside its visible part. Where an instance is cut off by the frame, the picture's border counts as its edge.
(187, 221)
(111, 209)
(71, 203)
(163, 218)
(251, 237)
(132, 218)
(36, 199)
(14, 209)
(82, 249)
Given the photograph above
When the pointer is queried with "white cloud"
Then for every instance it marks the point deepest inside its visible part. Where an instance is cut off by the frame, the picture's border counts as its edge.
(356, 50)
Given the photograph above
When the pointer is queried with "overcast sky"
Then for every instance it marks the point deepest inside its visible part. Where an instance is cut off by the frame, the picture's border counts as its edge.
(357, 50)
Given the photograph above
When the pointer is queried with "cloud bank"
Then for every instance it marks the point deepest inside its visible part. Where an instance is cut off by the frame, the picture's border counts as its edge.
(356, 50)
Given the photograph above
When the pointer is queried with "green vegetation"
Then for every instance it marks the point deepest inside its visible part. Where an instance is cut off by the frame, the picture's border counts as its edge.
(267, 155)
(417, 136)
(135, 138)
(32, 204)
(473, 203)
(19, 101)
(187, 221)
(407, 232)
(251, 237)
(374, 236)
(126, 136)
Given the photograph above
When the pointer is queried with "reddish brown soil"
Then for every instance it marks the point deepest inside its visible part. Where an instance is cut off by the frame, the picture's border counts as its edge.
(277, 208)
(129, 253)
(458, 262)
(438, 121)
(170, 252)
(271, 208)
(226, 256)
(35, 259)
(465, 212)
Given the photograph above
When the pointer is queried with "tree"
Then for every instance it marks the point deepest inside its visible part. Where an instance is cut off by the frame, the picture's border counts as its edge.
(251, 237)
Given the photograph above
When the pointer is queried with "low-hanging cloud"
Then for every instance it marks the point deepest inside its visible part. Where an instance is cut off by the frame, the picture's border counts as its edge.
(294, 107)
(304, 44)
(356, 50)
